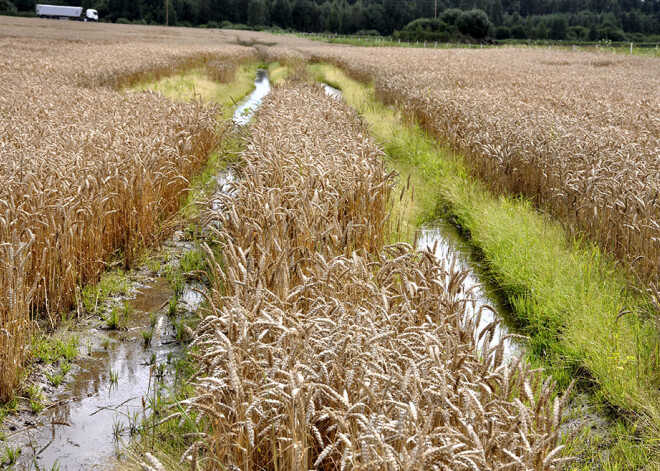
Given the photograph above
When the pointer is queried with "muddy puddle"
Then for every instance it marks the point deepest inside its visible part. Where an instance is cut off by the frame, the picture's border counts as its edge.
(101, 406)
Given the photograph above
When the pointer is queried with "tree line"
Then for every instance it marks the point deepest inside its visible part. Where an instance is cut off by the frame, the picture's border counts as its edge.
(576, 20)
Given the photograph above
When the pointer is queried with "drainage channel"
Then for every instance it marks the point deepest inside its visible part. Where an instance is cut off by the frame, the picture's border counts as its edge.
(242, 116)
(480, 297)
(109, 390)
(332, 91)
(246, 108)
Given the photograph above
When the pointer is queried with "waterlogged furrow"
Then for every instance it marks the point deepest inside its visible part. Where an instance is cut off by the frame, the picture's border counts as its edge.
(578, 133)
(326, 349)
(86, 170)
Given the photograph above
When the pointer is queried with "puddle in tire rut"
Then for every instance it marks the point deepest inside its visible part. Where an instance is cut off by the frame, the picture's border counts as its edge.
(97, 411)
(481, 299)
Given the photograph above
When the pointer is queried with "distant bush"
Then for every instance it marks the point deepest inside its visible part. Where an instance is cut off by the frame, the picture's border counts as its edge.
(518, 32)
(239, 26)
(578, 33)
(502, 32)
(611, 33)
(123, 21)
(450, 16)
(428, 29)
(474, 23)
(637, 37)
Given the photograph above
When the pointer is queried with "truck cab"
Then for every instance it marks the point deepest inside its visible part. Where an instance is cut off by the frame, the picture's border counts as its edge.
(91, 15)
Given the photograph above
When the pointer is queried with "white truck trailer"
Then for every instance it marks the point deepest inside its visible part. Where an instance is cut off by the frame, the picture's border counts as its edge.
(67, 13)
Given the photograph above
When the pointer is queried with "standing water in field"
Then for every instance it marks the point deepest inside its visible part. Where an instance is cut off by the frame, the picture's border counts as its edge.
(448, 245)
(242, 116)
(452, 248)
(332, 91)
(103, 406)
(108, 396)
(247, 107)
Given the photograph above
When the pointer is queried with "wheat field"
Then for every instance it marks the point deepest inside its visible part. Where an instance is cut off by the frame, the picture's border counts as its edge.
(577, 133)
(324, 348)
(85, 168)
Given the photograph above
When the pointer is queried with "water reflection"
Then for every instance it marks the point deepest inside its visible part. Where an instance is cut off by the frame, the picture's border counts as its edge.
(333, 92)
(451, 248)
(105, 393)
(247, 107)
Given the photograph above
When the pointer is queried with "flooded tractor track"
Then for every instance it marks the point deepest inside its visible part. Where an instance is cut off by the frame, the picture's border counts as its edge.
(448, 245)
(109, 391)
(118, 375)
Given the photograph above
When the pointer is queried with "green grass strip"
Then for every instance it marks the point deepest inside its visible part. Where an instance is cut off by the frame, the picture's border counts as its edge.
(576, 307)
(195, 84)
(189, 85)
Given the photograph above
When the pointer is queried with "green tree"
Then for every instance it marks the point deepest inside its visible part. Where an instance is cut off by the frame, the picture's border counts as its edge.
(300, 15)
(256, 13)
(541, 31)
(356, 17)
(502, 32)
(333, 22)
(375, 18)
(7, 7)
(474, 23)
(518, 32)
(25, 5)
(558, 27)
(281, 14)
(450, 15)
(151, 11)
